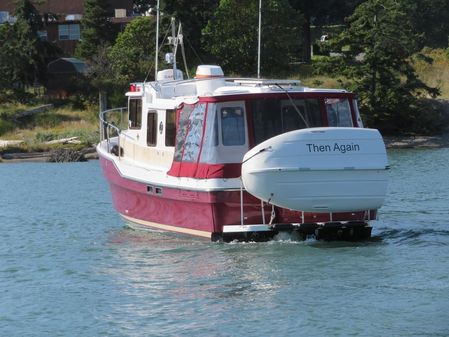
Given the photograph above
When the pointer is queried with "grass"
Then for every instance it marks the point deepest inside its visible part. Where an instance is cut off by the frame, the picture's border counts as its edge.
(54, 124)
(436, 73)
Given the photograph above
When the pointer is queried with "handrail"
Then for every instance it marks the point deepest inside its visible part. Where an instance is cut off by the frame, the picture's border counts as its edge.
(106, 127)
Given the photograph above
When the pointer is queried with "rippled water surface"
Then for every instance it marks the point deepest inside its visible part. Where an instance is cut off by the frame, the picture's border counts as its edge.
(70, 267)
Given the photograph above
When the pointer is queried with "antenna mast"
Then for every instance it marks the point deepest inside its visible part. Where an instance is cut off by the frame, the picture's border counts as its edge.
(157, 42)
(258, 45)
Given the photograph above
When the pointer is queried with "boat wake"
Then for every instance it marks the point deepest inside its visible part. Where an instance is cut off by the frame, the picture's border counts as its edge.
(414, 236)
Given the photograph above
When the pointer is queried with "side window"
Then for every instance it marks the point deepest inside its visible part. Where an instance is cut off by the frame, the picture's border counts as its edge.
(338, 112)
(135, 113)
(152, 128)
(232, 126)
(170, 127)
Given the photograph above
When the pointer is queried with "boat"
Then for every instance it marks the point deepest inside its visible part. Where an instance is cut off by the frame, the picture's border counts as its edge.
(229, 158)
(241, 158)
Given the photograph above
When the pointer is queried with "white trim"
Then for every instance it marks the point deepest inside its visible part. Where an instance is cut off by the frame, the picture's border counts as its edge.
(169, 228)
(246, 228)
(135, 171)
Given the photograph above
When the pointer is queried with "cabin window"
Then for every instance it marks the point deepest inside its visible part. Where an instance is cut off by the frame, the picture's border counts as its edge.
(170, 127)
(232, 126)
(272, 117)
(152, 128)
(135, 113)
(190, 131)
(338, 112)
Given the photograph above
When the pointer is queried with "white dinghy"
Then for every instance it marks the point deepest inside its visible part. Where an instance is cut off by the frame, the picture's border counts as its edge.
(319, 170)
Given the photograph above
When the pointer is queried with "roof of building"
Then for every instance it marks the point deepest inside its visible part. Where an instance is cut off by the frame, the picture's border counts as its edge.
(66, 65)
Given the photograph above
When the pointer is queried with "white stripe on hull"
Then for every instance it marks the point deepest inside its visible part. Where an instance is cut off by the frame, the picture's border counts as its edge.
(168, 228)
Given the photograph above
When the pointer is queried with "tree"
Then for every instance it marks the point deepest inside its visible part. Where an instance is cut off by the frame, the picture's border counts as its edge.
(231, 36)
(142, 6)
(97, 35)
(194, 16)
(376, 50)
(23, 56)
(132, 56)
(96, 29)
(320, 12)
(431, 19)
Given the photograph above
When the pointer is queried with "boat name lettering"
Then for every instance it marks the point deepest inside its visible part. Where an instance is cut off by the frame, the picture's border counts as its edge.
(342, 148)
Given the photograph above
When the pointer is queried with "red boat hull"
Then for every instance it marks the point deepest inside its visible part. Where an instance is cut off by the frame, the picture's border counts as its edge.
(200, 213)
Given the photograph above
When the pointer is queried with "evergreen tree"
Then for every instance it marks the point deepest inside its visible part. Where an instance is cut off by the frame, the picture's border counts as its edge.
(194, 16)
(23, 56)
(96, 28)
(431, 19)
(231, 36)
(132, 56)
(320, 12)
(376, 50)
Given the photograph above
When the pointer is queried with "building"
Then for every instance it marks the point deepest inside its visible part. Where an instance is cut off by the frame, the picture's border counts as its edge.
(63, 18)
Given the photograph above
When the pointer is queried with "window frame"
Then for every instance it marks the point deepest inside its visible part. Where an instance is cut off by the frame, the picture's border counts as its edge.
(170, 128)
(69, 32)
(135, 115)
(152, 128)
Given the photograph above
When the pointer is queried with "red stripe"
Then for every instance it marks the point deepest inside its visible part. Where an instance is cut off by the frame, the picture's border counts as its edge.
(205, 171)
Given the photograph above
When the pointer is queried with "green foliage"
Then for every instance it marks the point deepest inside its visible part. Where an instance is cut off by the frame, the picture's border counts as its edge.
(141, 6)
(231, 36)
(18, 55)
(96, 29)
(194, 16)
(376, 50)
(23, 56)
(320, 12)
(430, 18)
(132, 55)
(6, 126)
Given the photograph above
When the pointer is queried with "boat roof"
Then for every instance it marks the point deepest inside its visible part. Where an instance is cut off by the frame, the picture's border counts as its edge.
(209, 83)
(191, 90)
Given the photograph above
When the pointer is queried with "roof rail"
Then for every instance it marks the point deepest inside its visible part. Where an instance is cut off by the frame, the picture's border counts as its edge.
(264, 82)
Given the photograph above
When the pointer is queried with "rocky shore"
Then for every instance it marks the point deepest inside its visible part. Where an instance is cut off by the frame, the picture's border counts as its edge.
(61, 155)
(414, 142)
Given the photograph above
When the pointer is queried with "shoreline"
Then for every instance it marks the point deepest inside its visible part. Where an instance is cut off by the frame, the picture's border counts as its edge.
(417, 142)
(391, 142)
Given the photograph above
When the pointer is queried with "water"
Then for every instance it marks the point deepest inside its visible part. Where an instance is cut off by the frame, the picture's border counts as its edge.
(69, 266)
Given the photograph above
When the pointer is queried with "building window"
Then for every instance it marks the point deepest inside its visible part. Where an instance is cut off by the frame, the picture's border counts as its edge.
(69, 32)
(42, 35)
(152, 128)
(135, 113)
